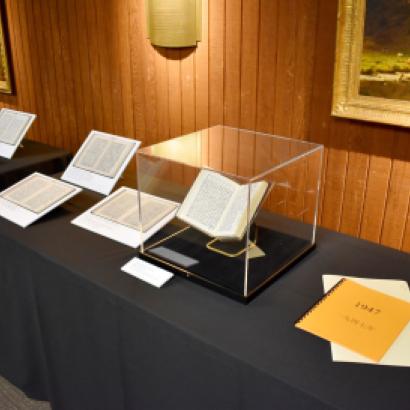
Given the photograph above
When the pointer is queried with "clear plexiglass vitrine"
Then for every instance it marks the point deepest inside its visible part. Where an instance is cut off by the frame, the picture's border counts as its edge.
(246, 206)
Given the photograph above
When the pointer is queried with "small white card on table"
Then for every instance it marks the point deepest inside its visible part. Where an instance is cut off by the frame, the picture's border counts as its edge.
(100, 161)
(13, 127)
(151, 274)
(33, 197)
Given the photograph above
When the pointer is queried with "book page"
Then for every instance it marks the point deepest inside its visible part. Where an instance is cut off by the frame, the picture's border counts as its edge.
(123, 208)
(113, 157)
(11, 126)
(37, 193)
(103, 155)
(118, 205)
(234, 221)
(207, 200)
(91, 153)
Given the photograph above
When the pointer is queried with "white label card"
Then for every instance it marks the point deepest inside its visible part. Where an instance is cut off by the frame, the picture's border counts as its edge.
(13, 128)
(100, 161)
(147, 272)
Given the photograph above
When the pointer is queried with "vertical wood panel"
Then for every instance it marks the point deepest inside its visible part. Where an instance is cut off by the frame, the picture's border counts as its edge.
(334, 183)
(149, 86)
(285, 73)
(267, 65)
(249, 59)
(103, 46)
(397, 203)
(232, 98)
(306, 17)
(174, 92)
(72, 58)
(94, 60)
(377, 186)
(162, 93)
(125, 68)
(320, 120)
(137, 62)
(355, 185)
(80, 43)
(14, 33)
(216, 26)
(56, 71)
(27, 60)
(83, 64)
(202, 73)
(188, 91)
(406, 238)
(47, 91)
(68, 70)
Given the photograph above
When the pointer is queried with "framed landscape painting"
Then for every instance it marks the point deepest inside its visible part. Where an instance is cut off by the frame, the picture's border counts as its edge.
(5, 78)
(372, 69)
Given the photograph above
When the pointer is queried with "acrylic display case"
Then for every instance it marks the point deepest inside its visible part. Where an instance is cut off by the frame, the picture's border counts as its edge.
(247, 206)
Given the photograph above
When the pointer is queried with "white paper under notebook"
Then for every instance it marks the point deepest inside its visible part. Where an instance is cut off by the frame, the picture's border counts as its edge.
(399, 352)
(117, 216)
(151, 274)
(100, 161)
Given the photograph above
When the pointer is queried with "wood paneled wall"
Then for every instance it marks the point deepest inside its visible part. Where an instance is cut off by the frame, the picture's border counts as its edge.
(262, 64)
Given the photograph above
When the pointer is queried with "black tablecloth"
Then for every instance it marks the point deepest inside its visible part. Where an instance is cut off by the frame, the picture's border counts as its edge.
(32, 156)
(76, 330)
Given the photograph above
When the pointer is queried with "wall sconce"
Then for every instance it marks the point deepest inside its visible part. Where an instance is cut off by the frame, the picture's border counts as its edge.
(174, 23)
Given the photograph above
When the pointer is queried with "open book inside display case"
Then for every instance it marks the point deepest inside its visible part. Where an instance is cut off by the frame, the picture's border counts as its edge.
(247, 206)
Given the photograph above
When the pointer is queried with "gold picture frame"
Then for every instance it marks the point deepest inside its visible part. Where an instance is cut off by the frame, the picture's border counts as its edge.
(5, 73)
(348, 99)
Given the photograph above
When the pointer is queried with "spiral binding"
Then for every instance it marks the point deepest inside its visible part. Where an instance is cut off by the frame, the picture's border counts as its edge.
(323, 298)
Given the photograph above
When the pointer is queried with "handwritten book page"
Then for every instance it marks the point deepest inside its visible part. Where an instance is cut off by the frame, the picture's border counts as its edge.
(217, 205)
(123, 208)
(104, 155)
(12, 124)
(36, 193)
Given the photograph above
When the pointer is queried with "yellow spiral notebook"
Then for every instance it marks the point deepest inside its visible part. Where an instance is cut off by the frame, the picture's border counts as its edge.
(358, 318)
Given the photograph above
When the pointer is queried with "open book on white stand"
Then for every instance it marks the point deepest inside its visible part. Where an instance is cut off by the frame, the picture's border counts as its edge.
(399, 352)
(100, 161)
(218, 206)
(13, 128)
(117, 216)
(33, 197)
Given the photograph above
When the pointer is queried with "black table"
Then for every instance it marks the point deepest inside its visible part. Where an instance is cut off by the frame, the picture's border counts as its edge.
(76, 330)
(32, 156)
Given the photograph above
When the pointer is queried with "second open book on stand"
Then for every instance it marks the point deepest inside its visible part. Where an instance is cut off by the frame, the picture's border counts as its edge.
(218, 206)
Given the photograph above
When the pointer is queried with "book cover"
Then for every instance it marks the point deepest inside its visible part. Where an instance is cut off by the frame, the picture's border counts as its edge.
(358, 318)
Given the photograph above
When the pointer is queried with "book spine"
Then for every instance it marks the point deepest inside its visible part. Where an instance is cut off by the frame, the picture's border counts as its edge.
(321, 300)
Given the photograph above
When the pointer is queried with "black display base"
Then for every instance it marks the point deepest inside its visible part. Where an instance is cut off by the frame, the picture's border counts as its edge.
(185, 253)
